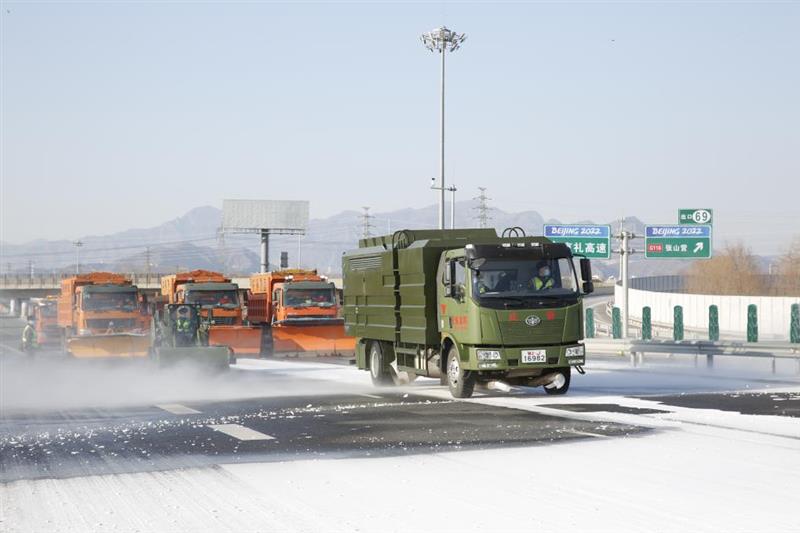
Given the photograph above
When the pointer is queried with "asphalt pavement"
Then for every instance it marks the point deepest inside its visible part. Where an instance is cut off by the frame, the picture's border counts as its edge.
(63, 418)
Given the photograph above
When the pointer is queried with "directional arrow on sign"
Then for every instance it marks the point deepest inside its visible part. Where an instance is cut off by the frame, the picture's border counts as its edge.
(698, 247)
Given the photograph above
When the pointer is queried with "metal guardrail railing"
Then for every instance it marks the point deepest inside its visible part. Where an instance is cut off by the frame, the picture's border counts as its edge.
(636, 349)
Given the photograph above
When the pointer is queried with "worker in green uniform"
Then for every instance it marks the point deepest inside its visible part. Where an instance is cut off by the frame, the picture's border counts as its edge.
(183, 327)
(28, 338)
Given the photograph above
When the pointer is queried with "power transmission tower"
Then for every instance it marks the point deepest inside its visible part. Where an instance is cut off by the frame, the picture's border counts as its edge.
(483, 208)
(221, 249)
(147, 263)
(366, 225)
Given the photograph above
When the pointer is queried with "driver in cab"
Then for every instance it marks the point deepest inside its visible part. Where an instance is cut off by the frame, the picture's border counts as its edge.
(543, 279)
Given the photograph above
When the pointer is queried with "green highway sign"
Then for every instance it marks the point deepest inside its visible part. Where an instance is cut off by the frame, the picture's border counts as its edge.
(593, 241)
(703, 217)
(677, 242)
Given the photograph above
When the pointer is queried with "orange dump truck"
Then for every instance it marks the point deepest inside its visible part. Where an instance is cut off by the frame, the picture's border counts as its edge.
(45, 318)
(299, 312)
(219, 297)
(100, 316)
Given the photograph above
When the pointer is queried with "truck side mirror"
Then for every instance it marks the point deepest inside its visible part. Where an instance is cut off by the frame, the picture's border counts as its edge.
(586, 276)
(586, 269)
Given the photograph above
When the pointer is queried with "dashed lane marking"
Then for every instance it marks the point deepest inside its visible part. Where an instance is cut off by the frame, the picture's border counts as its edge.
(587, 434)
(240, 432)
(371, 396)
(177, 409)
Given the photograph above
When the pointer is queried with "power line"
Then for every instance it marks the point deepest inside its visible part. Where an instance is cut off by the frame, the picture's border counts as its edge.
(483, 208)
(107, 249)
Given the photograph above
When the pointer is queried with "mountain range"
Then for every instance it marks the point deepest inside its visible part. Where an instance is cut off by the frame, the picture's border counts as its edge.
(193, 240)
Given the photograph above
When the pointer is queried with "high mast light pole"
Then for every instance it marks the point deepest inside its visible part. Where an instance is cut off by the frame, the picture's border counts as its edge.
(77, 245)
(442, 40)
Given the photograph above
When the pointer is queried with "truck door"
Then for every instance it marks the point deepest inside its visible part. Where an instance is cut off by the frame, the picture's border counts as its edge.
(452, 306)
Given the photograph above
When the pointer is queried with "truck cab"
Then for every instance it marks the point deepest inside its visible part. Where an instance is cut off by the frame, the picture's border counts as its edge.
(221, 299)
(107, 308)
(507, 310)
(45, 316)
(304, 302)
(100, 314)
(220, 304)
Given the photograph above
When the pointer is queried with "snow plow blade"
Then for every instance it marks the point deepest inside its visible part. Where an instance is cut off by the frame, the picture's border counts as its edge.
(322, 339)
(240, 339)
(202, 357)
(111, 345)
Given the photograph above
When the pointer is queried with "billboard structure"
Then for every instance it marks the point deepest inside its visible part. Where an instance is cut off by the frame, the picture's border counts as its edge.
(265, 217)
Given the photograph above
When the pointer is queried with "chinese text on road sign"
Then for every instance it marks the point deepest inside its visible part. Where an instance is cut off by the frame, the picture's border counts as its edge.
(677, 242)
(590, 240)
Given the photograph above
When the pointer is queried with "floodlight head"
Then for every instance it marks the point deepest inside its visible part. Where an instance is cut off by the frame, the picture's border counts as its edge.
(442, 39)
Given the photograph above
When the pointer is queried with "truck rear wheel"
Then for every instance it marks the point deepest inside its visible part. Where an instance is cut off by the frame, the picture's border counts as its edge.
(460, 381)
(561, 384)
(379, 368)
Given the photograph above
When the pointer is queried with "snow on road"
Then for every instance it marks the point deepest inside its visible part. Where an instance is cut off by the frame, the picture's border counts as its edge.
(704, 479)
(698, 470)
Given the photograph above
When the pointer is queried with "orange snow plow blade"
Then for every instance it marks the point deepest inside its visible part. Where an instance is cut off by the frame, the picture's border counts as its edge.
(322, 339)
(240, 339)
(112, 345)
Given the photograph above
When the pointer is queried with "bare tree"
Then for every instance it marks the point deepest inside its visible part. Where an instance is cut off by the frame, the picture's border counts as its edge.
(734, 271)
(788, 282)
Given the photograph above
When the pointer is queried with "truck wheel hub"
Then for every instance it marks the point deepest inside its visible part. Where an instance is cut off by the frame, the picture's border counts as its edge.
(375, 363)
(453, 371)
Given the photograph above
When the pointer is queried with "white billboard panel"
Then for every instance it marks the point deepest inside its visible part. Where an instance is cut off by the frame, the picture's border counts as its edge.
(265, 214)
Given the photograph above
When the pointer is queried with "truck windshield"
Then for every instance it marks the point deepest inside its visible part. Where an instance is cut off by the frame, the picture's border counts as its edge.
(48, 310)
(213, 298)
(308, 298)
(520, 279)
(109, 301)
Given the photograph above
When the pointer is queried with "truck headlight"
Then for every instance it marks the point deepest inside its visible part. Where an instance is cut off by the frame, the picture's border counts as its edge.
(83, 331)
(488, 355)
(576, 351)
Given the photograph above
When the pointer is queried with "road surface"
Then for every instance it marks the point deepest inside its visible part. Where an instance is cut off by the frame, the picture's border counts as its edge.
(278, 445)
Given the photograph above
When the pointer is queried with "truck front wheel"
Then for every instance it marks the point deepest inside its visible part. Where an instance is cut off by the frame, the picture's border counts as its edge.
(561, 383)
(460, 381)
(378, 366)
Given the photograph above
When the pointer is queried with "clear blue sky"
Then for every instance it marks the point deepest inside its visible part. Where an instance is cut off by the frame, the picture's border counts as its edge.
(118, 115)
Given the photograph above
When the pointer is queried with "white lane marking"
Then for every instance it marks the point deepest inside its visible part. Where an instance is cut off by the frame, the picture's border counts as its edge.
(240, 432)
(371, 396)
(12, 349)
(587, 434)
(177, 409)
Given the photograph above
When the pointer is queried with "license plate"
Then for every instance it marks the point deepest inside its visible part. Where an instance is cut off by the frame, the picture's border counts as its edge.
(534, 356)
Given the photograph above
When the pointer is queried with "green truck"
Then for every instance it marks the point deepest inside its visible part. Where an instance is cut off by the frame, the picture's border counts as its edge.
(466, 306)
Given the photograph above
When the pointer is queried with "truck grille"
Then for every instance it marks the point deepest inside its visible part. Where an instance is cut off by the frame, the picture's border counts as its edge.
(518, 332)
(104, 323)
